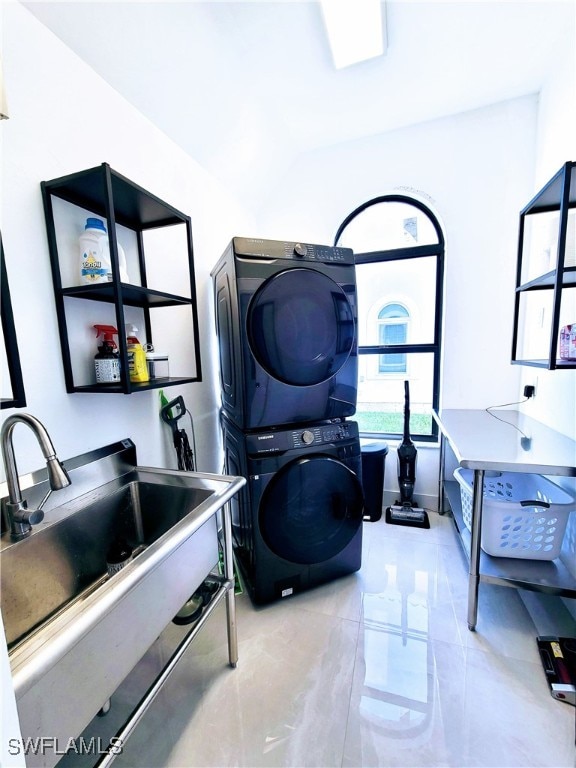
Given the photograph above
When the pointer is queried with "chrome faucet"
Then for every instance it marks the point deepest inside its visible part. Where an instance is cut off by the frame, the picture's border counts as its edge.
(20, 518)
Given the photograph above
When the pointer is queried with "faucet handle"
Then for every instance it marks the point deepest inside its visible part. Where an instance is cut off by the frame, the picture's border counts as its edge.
(34, 516)
(20, 513)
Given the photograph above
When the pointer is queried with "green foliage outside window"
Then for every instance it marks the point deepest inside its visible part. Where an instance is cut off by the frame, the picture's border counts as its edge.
(392, 423)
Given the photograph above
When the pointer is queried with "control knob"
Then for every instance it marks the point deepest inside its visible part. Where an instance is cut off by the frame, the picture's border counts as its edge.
(299, 249)
(307, 437)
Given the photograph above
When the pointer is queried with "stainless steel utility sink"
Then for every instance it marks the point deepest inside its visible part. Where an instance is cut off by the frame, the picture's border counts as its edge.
(74, 632)
(44, 573)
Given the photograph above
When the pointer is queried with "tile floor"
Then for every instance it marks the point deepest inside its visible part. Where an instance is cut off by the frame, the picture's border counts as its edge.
(375, 669)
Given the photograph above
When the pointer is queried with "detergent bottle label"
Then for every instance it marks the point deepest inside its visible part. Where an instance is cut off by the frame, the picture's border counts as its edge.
(107, 370)
(93, 270)
(137, 364)
(95, 266)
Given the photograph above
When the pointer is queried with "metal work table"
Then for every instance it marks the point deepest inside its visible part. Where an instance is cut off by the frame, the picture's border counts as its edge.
(503, 441)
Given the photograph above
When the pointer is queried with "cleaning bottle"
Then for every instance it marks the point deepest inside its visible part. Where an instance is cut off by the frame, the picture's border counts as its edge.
(136, 357)
(95, 262)
(107, 360)
(568, 342)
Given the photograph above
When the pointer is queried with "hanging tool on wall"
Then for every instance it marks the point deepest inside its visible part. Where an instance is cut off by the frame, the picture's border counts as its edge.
(171, 413)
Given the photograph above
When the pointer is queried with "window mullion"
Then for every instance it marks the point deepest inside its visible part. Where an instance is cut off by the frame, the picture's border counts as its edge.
(398, 254)
(380, 349)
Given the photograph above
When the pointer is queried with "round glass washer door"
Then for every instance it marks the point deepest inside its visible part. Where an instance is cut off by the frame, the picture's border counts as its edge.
(301, 327)
(311, 510)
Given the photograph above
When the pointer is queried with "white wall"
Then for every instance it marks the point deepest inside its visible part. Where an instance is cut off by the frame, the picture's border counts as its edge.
(475, 171)
(65, 118)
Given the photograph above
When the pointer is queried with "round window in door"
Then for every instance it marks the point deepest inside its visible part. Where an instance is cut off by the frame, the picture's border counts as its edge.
(301, 327)
(311, 510)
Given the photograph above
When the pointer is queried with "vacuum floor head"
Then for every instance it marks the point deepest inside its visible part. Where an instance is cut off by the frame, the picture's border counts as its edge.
(406, 514)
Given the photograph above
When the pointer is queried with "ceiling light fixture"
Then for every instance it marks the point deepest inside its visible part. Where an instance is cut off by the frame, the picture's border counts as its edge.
(355, 30)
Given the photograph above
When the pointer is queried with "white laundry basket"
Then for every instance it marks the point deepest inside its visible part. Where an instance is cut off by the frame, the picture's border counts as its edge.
(523, 515)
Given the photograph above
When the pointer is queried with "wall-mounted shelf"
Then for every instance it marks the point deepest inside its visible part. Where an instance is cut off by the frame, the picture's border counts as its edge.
(545, 298)
(122, 204)
(132, 295)
(16, 398)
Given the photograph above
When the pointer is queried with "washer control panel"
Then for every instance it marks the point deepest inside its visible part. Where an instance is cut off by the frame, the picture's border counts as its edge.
(295, 251)
(325, 433)
(307, 436)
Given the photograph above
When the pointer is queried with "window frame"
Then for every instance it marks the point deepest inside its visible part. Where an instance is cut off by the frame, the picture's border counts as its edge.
(401, 321)
(436, 250)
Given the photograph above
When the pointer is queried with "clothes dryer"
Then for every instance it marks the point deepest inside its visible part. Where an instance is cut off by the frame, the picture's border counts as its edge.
(286, 325)
(298, 521)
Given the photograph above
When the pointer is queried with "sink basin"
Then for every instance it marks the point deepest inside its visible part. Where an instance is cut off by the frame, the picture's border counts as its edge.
(70, 626)
(63, 560)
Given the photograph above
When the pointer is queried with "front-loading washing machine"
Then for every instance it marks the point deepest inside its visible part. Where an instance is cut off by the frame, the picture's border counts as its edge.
(298, 521)
(286, 325)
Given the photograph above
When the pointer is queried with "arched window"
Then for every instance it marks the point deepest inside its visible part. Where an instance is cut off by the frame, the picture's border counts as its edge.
(398, 248)
(392, 329)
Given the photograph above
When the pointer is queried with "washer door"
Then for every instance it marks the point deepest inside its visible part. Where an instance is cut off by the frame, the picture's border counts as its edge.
(301, 327)
(311, 510)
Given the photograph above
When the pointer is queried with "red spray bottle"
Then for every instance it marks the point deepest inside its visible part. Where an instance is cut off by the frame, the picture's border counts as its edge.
(107, 360)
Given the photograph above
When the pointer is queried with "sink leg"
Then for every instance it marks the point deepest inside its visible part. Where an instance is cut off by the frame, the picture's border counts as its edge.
(229, 576)
(232, 634)
(105, 708)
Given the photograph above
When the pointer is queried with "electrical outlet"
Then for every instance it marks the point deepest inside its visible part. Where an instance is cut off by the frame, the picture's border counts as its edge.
(529, 391)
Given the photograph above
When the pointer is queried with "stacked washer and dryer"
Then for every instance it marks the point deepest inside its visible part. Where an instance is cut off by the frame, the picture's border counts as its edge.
(286, 325)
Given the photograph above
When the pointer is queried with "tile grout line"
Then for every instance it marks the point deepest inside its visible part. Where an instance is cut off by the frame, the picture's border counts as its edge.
(360, 623)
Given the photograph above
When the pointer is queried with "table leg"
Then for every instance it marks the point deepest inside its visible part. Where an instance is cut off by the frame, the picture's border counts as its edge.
(474, 570)
(442, 459)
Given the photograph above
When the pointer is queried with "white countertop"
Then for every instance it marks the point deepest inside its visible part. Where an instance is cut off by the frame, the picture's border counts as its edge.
(506, 440)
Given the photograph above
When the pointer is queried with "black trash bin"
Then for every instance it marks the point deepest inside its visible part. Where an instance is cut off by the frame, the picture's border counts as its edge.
(373, 462)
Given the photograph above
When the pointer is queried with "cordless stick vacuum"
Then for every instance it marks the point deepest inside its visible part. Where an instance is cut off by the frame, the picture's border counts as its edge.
(406, 511)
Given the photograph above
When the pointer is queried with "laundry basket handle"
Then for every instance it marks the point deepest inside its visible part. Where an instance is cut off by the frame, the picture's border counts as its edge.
(535, 503)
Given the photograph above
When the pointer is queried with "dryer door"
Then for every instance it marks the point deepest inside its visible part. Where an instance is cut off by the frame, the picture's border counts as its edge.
(311, 509)
(301, 327)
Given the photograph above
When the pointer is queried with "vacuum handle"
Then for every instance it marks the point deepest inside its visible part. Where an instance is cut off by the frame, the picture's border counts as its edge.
(407, 412)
